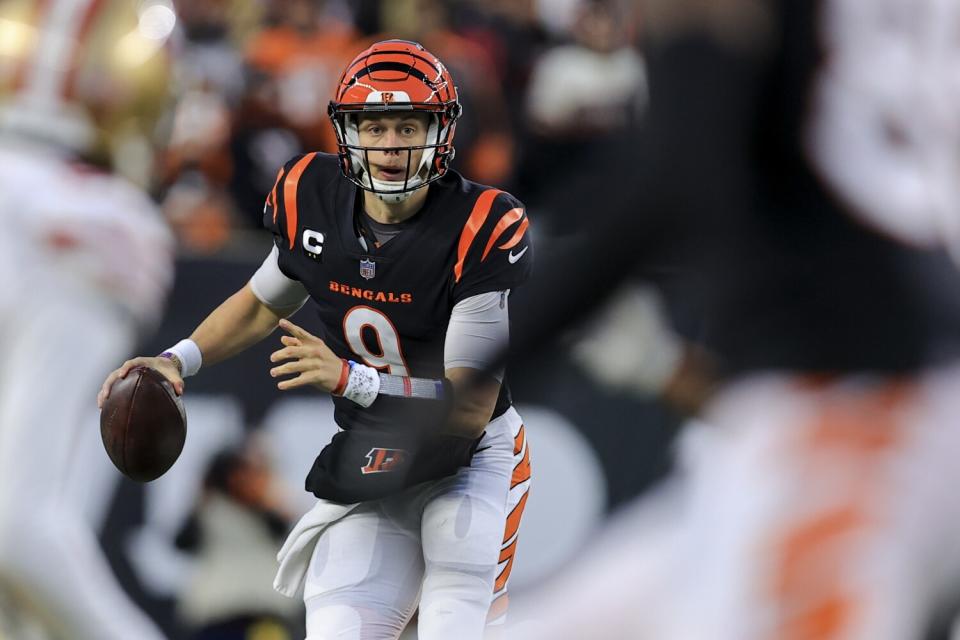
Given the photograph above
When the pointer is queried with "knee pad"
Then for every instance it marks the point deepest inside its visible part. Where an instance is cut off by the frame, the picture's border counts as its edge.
(464, 591)
(332, 622)
(327, 621)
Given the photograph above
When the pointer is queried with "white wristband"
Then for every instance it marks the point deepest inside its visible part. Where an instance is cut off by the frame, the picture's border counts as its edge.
(189, 355)
(363, 384)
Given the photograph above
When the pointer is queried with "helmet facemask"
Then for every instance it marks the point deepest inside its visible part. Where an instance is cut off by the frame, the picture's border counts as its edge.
(395, 77)
(434, 161)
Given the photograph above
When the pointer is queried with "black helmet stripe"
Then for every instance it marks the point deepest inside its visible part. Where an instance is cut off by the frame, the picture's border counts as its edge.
(410, 70)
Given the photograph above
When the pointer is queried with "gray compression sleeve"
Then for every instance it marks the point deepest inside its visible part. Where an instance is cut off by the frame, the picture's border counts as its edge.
(479, 331)
(276, 290)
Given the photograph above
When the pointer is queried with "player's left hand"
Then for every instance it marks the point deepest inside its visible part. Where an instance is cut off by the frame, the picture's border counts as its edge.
(309, 357)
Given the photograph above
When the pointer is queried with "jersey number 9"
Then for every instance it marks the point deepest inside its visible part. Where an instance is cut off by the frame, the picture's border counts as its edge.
(390, 356)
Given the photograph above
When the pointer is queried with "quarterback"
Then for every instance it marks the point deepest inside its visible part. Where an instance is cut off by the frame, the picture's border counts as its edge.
(408, 268)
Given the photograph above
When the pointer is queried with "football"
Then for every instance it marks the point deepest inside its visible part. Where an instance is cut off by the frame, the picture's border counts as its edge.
(143, 425)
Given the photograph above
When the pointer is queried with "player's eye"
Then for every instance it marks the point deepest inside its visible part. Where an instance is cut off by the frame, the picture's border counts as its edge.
(409, 131)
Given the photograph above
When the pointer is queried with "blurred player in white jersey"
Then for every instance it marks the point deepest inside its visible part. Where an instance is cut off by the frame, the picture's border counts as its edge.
(85, 262)
(801, 162)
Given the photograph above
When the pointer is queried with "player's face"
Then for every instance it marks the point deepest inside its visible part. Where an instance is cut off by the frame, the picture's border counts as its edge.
(385, 131)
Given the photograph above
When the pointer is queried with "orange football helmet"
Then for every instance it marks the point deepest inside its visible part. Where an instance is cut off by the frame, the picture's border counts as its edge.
(395, 76)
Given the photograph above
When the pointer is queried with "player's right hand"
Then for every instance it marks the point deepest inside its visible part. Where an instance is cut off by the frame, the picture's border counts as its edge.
(165, 366)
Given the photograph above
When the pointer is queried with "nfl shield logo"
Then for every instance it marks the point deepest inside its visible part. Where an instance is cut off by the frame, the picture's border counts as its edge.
(368, 269)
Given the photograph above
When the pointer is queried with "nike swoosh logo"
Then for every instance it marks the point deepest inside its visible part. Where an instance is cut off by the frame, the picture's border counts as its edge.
(513, 258)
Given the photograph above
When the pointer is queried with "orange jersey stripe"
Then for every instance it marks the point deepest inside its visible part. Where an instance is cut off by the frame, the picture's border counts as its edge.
(518, 441)
(272, 198)
(811, 538)
(513, 520)
(505, 556)
(813, 598)
(290, 194)
(830, 619)
(864, 426)
(481, 209)
(498, 607)
(509, 218)
(506, 553)
(521, 472)
(515, 240)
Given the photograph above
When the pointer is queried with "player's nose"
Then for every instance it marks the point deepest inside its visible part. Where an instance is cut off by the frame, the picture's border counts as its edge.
(392, 139)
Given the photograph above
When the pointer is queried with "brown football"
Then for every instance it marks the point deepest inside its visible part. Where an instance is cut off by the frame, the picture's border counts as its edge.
(143, 425)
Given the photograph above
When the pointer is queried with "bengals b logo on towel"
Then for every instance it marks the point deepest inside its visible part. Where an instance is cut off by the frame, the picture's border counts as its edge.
(382, 460)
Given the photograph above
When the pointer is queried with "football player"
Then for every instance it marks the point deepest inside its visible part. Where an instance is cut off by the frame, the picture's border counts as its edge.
(408, 268)
(85, 262)
(799, 162)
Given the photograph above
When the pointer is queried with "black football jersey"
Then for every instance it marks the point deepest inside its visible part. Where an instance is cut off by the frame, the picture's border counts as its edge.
(388, 306)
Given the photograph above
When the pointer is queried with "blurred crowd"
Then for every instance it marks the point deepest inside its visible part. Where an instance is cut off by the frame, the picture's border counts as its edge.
(819, 350)
(541, 83)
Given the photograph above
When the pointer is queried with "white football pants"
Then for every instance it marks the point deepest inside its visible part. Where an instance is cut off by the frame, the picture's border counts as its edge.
(447, 546)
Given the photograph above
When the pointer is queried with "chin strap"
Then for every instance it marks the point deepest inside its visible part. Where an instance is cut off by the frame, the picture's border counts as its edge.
(388, 190)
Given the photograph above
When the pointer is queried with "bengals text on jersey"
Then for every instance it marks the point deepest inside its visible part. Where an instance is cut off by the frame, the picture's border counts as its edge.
(388, 306)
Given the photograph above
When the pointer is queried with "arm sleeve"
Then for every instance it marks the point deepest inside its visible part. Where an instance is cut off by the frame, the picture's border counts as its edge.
(479, 330)
(274, 289)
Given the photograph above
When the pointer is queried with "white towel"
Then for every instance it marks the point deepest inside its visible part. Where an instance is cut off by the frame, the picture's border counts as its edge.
(294, 556)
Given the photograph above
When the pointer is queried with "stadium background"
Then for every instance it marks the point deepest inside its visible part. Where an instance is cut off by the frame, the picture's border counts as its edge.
(545, 86)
